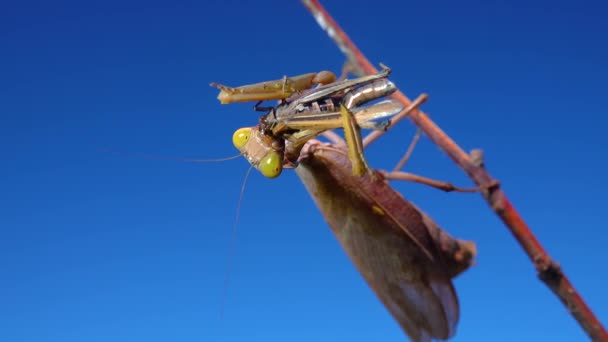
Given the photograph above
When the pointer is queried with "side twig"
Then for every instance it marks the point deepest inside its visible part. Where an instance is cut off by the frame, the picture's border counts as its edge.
(548, 270)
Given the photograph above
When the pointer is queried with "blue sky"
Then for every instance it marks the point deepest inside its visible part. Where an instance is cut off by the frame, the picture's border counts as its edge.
(102, 247)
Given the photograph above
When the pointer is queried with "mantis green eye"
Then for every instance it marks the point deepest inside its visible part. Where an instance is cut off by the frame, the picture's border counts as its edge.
(241, 137)
(271, 165)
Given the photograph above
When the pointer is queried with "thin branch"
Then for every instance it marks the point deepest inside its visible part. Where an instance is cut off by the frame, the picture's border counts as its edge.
(409, 152)
(548, 270)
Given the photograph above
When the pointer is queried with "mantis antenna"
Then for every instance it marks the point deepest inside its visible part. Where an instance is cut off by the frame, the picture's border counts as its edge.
(153, 157)
(233, 236)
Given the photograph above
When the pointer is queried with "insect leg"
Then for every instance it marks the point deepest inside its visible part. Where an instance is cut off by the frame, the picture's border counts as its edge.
(257, 108)
(437, 184)
(352, 133)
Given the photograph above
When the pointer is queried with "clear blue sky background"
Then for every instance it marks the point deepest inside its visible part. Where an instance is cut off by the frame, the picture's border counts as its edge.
(102, 247)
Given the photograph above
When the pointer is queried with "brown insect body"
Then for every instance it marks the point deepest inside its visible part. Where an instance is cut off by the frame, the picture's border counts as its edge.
(402, 254)
(312, 112)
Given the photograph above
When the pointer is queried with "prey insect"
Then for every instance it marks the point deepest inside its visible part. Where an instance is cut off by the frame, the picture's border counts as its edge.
(273, 90)
(276, 141)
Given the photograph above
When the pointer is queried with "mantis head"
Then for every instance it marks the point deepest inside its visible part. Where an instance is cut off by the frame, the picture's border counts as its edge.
(264, 152)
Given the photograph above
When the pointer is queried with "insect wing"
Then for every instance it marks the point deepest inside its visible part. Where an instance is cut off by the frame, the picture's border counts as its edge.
(388, 242)
(331, 120)
(326, 91)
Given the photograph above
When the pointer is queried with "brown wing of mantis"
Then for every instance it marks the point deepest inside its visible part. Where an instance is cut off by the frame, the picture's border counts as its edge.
(402, 254)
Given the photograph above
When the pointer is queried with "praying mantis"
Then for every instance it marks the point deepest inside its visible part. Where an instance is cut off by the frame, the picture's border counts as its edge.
(403, 255)
(399, 250)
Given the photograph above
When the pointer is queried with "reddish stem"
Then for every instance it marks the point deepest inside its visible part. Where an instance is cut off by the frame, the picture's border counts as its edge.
(548, 270)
